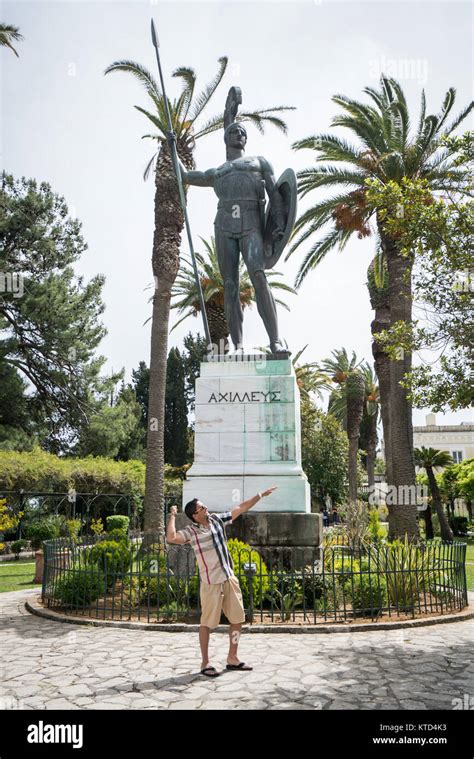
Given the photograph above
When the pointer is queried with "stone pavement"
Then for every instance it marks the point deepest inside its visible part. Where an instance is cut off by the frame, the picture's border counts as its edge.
(50, 665)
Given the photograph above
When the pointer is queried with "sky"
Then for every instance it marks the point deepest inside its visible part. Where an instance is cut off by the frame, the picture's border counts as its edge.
(64, 122)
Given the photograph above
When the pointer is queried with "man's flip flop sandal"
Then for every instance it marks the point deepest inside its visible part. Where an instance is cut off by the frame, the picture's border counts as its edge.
(210, 672)
(241, 667)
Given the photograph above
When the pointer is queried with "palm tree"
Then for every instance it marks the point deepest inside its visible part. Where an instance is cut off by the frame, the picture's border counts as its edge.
(9, 33)
(186, 112)
(187, 299)
(429, 459)
(309, 378)
(377, 285)
(347, 374)
(368, 434)
(370, 417)
(387, 152)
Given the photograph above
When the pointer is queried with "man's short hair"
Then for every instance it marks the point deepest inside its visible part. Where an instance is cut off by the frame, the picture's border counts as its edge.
(190, 508)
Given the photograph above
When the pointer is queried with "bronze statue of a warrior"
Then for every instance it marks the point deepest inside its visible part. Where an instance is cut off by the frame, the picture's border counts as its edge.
(242, 226)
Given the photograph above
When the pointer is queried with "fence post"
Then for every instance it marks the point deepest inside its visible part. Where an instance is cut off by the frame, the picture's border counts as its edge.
(250, 569)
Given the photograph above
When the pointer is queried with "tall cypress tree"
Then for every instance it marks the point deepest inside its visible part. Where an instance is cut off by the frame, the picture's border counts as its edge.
(176, 416)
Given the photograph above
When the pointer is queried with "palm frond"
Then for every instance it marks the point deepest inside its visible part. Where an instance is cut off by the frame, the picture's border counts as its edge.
(155, 120)
(188, 76)
(139, 72)
(454, 124)
(318, 251)
(150, 165)
(8, 32)
(201, 101)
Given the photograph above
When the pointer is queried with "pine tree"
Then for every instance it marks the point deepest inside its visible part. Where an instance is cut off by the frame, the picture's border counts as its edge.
(176, 416)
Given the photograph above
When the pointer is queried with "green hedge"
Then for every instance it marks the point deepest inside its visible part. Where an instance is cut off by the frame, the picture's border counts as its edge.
(38, 471)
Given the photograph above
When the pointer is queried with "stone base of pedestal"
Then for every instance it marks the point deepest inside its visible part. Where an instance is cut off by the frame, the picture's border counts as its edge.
(288, 539)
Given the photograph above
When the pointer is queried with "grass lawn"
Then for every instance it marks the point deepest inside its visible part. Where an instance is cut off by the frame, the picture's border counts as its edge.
(17, 575)
(470, 563)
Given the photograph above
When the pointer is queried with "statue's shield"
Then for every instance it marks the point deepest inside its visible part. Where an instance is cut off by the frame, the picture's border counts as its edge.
(288, 191)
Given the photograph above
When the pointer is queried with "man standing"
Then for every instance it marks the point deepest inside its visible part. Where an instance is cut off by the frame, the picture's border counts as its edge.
(220, 590)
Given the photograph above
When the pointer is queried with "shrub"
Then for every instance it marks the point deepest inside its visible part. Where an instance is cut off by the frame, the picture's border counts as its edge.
(163, 586)
(241, 553)
(460, 525)
(97, 526)
(70, 528)
(112, 558)
(116, 535)
(117, 522)
(408, 570)
(79, 587)
(320, 591)
(152, 558)
(306, 588)
(129, 592)
(155, 576)
(8, 519)
(376, 533)
(42, 529)
(40, 471)
(367, 590)
(157, 590)
(17, 546)
(173, 490)
(357, 520)
(285, 591)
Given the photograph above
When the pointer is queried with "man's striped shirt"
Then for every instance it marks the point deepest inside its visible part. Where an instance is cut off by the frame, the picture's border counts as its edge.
(210, 547)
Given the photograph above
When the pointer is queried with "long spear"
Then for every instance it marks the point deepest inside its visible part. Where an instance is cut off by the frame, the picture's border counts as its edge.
(182, 197)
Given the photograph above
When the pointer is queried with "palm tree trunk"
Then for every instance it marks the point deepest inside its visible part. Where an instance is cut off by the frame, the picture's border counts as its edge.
(372, 449)
(428, 523)
(218, 328)
(382, 370)
(379, 302)
(355, 389)
(401, 477)
(165, 261)
(446, 533)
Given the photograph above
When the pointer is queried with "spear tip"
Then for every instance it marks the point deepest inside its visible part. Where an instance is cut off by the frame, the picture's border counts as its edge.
(154, 36)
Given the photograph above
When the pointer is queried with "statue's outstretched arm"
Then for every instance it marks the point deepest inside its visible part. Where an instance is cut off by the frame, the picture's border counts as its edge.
(199, 178)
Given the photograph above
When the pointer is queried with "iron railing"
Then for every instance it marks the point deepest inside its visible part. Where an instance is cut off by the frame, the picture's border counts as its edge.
(338, 582)
(83, 506)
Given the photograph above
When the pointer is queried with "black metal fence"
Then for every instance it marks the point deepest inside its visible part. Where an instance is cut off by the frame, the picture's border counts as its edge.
(337, 582)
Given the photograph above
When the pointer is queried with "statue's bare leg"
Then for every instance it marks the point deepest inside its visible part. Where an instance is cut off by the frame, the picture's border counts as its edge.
(228, 255)
(252, 252)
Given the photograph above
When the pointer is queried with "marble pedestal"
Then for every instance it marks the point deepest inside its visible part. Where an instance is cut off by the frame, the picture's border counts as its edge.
(247, 436)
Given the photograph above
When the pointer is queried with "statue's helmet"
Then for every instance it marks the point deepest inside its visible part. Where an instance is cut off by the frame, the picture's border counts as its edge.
(232, 126)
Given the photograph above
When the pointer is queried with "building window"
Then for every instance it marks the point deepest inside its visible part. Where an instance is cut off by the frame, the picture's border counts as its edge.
(457, 456)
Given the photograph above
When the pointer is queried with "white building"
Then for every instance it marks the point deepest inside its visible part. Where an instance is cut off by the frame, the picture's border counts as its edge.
(456, 439)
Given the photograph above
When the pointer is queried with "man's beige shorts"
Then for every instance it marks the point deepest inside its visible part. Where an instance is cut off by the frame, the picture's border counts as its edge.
(224, 596)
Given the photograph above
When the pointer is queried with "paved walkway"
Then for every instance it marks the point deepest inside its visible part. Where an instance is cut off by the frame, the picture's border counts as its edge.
(49, 665)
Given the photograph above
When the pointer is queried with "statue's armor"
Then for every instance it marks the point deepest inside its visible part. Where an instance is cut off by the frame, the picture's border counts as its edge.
(239, 186)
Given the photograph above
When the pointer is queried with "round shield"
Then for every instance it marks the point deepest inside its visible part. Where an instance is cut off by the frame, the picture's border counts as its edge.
(288, 191)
